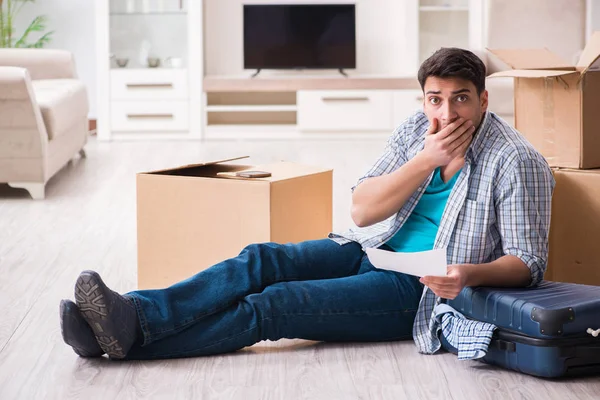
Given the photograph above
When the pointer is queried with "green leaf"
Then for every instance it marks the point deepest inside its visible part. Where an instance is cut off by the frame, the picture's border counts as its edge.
(2, 32)
(37, 25)
(8, 11)
(43, 40)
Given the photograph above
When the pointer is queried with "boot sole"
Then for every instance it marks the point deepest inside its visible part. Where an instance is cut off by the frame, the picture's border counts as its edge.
(91, 299)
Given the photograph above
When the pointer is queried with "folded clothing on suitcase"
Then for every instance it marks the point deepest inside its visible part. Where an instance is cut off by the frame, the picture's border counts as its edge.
(547, 330)
(470, 338)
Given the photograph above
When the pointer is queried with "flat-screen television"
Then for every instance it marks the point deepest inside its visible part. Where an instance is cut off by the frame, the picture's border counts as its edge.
(298, 36)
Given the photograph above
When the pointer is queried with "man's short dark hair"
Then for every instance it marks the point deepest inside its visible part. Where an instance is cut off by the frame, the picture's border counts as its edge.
(452, 62)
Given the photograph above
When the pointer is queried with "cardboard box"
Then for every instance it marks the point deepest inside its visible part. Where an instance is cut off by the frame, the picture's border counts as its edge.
(192, 217)
(575, 228)
(556, 104)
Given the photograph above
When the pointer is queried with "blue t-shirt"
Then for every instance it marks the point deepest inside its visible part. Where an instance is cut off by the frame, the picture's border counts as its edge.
(420, 229)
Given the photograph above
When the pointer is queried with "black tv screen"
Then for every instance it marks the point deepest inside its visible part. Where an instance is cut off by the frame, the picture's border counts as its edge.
(299, 36)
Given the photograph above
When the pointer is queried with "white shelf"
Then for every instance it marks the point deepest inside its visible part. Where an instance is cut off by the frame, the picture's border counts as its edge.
(251, 108)
(443, 8)
(228, 132)
(226, 128)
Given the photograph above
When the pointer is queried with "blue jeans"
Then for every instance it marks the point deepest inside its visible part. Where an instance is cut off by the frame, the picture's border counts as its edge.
(315, 290)
(446, 345)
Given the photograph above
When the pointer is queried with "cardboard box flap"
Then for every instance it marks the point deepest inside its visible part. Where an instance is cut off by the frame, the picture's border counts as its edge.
(279, 171)
(531, 59)
(590, 53)
(196, 165)
(531, 73)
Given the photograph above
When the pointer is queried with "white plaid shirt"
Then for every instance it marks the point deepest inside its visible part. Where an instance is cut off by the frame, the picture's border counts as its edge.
(500, 205)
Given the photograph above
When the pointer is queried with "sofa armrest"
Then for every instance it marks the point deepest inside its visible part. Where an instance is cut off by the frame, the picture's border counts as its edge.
(22, 130)
(15, 83)
(41, 63)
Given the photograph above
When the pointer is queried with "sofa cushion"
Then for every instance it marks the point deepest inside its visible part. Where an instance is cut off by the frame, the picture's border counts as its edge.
(63, 102)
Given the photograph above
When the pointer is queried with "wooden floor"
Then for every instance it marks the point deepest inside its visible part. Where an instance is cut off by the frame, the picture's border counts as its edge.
(88, 221)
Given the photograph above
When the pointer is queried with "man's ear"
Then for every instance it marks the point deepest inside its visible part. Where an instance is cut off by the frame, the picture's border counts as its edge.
(484, 100)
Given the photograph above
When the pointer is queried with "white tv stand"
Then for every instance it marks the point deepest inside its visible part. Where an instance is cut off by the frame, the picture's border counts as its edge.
(169, 102)
(321, 106)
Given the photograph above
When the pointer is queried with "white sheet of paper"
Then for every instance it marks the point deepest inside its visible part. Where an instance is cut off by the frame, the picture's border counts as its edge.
(423, 263)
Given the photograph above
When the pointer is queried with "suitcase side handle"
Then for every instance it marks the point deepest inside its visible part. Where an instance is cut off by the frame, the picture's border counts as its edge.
(504, 345)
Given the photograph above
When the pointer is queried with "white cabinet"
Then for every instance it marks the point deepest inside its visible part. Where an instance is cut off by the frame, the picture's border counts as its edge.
(149, 68)
(149, 116)
(345, 110)
(149, 84)
(356, 110)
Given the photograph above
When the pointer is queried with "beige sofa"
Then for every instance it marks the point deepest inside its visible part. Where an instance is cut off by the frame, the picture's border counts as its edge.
(43, 116)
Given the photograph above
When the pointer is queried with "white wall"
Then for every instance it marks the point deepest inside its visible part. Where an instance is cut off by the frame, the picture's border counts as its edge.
(594, 15)
(381, 28)
(527, 24)
(73, 24)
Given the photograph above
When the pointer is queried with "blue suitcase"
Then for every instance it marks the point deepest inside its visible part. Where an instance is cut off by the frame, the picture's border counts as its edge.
(551, 330)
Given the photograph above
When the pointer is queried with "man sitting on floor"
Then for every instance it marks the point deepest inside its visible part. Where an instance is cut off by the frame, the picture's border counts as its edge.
(453, 176)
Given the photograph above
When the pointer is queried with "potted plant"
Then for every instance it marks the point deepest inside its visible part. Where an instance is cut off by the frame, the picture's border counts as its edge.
(9, 9)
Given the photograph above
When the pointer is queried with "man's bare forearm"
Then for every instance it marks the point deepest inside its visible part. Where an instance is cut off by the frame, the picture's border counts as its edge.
(506, 271)
(378, 198)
